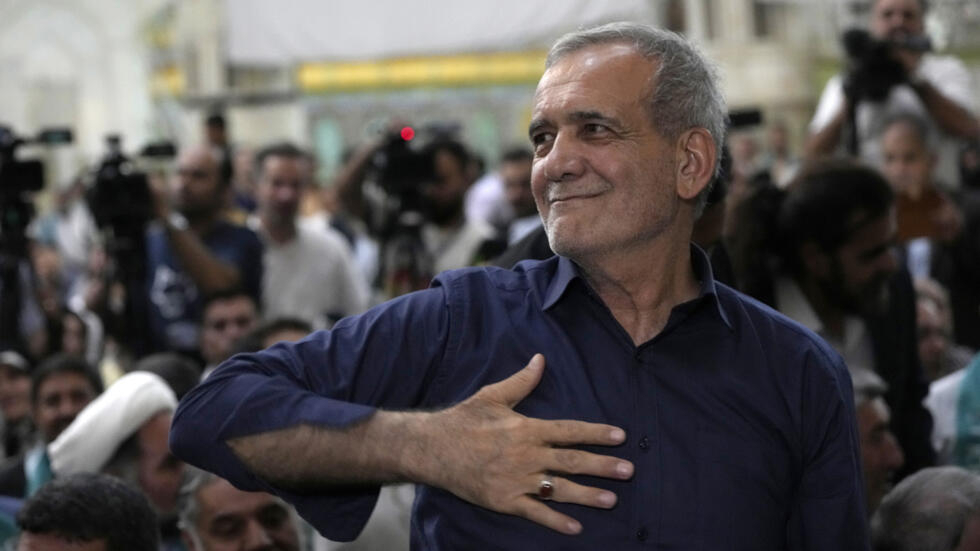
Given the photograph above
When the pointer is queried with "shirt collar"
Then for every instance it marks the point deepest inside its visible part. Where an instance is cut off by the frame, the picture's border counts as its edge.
(568, 271)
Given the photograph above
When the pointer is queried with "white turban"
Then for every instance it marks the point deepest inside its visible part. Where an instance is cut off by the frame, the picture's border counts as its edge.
(93, 437)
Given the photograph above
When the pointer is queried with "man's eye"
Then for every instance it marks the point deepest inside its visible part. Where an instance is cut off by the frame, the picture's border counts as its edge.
(541, 138)
(594, 128)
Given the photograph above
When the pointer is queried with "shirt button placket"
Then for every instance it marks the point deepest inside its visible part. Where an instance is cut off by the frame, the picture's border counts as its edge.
(642, 534)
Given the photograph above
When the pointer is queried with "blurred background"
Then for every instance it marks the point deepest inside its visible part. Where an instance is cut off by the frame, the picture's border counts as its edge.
(328, 74)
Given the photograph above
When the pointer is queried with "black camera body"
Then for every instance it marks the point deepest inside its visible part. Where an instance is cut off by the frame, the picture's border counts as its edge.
(873, 68)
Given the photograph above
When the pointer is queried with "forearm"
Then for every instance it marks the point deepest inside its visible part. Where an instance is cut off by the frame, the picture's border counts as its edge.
(948, 114)
(348, 181)
(209, 273)
(825, 141)
(387, 447)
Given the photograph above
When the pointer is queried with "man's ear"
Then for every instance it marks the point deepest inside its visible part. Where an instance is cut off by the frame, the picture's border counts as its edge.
(816, 262)
(696, 157)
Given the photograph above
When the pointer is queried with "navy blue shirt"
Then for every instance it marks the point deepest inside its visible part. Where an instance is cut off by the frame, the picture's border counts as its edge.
(740, 422)
(175, 303)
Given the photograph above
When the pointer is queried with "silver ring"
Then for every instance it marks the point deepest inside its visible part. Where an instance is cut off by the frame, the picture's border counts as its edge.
(546, 488)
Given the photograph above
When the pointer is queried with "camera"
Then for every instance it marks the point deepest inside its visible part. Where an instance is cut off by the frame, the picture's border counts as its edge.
(873, 68)
(18, 178)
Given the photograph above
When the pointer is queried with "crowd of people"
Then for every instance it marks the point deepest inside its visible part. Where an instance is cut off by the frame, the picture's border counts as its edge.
(867, 237)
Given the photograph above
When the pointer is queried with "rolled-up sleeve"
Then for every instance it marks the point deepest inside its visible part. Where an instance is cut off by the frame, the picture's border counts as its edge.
(384, 358)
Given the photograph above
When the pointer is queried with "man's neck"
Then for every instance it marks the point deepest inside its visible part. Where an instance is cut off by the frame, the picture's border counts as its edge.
(201, 224)
(641, 288)
(278, 232)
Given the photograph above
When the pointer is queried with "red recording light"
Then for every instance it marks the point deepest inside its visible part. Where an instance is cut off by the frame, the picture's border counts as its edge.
(407, 133)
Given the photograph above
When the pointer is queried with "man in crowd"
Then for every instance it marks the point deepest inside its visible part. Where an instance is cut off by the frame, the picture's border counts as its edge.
(515, 171)
(195, 254)
(936, 88)
(227, 317)
(937, 508)
(124, 433)
(840, 277)
(309, 272)
(690, 414)
(881, 457)
(215, 516)
(60, 388)
(15, 403)
(87, 512)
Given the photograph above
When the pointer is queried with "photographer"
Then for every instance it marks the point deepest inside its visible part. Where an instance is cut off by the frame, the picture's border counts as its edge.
(197, 253)
(934, 87)
(431, 182)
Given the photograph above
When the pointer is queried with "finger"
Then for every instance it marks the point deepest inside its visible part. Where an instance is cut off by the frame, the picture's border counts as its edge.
(567, 491)
(515, 388)
(567, 433)
(536, 511)
(581, 462)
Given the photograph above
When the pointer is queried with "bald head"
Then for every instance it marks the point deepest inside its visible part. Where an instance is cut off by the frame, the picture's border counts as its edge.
(198, 190)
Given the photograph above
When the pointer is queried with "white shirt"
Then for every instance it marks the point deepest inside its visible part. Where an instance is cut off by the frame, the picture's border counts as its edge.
(312, 277)
(454, 248)
(946, 73)
(941, 403)
(856, 347)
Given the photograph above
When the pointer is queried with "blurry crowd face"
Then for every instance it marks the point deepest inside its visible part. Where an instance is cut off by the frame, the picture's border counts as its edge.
(517, 187)
(603, 177)
(907, 161)
(15, 393)
(196, 187)
(60, 397)
(159, 471)
(281, 186)
(73, 334)
(445, 194)
(229, 519)
(224, 323)
(860, 269)
(896, 18)
(881, 455)
(934, 338)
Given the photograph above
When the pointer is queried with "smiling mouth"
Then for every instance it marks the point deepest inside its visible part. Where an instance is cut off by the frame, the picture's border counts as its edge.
(570, 198)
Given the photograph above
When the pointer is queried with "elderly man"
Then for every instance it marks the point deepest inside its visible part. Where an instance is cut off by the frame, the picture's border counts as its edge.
(937, 508)
(881, 455)
(215, 516)
(936, 88)
(674, 411)
(193, 252)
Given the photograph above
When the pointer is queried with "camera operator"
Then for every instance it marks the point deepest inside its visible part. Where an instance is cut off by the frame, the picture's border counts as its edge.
(447, 239)
(931, 86)
(197, 253)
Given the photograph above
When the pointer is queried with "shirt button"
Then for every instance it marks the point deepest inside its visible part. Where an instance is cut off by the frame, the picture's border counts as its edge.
(642, 534)
(644, 443)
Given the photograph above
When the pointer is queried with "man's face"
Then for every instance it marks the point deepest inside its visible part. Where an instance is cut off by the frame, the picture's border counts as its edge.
(224, 322)
(281, 185)
(603, 177)
(60, 397)
(893, 19)
(196, 186)
(30, 541)
(15, 393)
(933, 338)
(517, 187)
(229, 519)
(881, 455)
(860, 269)
(444, 195)
(907, 162)
(159, 470)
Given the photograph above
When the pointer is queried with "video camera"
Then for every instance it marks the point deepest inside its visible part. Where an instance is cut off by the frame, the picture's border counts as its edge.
(18, 179)
(404, 163)
(873, 68)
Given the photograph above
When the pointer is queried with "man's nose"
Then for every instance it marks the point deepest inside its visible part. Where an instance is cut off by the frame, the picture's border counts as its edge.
(256, 537)
(564, 160)
(895, 458)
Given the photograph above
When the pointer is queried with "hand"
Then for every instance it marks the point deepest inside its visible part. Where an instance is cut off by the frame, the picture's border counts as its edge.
(484, 452)
(160, 193)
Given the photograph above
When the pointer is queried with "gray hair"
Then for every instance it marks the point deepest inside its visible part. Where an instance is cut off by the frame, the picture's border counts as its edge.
(686, 93)
(917, 124)
(867, 386)
(927, 511)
